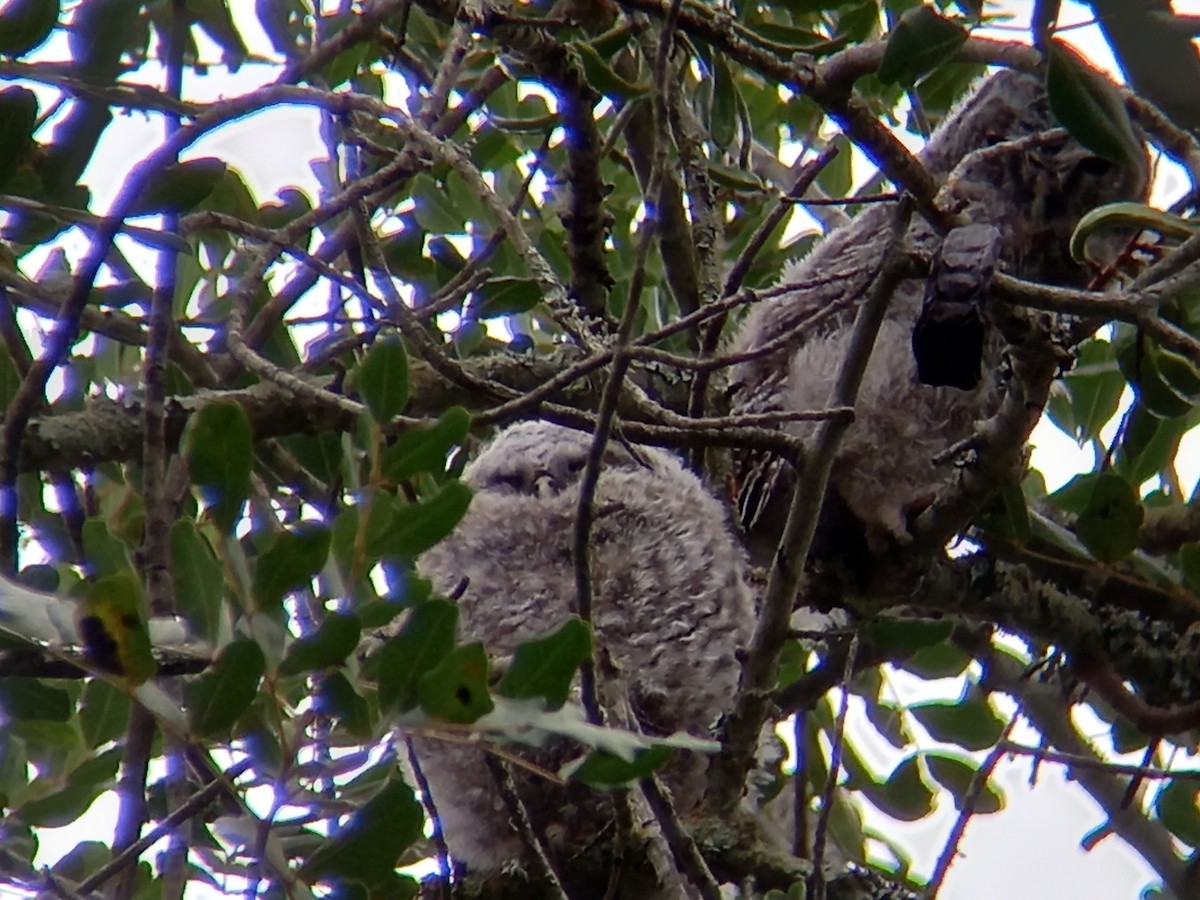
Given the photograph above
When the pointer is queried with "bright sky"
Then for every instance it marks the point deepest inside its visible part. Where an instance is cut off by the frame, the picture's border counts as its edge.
(1030, 850)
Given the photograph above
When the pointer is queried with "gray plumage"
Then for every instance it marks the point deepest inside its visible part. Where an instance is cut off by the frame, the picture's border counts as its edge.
(670, 608)
(1000, 164)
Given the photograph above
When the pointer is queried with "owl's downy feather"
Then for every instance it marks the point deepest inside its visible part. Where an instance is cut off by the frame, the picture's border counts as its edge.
(670, 608)
(1001, 164)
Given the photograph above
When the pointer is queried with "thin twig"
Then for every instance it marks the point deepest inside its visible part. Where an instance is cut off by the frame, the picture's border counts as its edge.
(820, 831)
(185, 811)
(520, 817)
(759, 672)
(683, 848)
(969, 801)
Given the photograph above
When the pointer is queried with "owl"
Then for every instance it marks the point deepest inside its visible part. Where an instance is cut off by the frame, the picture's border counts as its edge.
(1003, 165)
(671, 609)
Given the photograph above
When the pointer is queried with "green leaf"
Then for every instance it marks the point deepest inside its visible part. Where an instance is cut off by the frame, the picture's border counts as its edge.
(1148, 443)
(837, 178)
(1166, 392)
(198, 579)
(1128, 216)
(90, 778)
(545, 668)
(103, 713)
(723, 118)
(217, 699)
(1189, 565)
(1089, 106)
(434, 212)
(905, 795)
(940, 660)
(215, 19)
(1176, 805)
(506, 296)
(84, 858)
(218, 444)
(456, 690)
(887, 719)
(105, 554)
(603, 78)
(291, 562)
(969, 723)
(921, 41)
(336, 697)
(24, 25)
(605, 770)
(367, 850)
(334, 641)
(426, 449)
(415, 527)
(290, 204)
(382, 378)
(425, 639)
(60, 808)
(31, 698)
(179, 187)
(232, 196)
(18, 112)
(10, 378)
(112, 627)
(1090, 394)
(955, 774)
(906, 635)
(734, 178)
(1109, 524)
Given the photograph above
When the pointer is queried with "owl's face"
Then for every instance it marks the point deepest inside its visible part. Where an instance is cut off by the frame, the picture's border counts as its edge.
(539, 459)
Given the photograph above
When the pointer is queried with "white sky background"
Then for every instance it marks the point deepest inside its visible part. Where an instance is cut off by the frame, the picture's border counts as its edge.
(1031, 849)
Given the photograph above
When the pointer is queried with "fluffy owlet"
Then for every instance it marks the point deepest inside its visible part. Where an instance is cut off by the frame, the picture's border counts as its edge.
(670, 608)
(1003, 166)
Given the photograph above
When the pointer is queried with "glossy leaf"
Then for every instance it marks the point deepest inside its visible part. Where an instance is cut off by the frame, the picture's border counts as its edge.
(1089, 106)
(545, 668)
(112, 627)
(382, 378)
(1090, 393)
(415, 527)
(603, 78)
(605, 770)
(906, 635)
(1110, 522)
(179, 187)
(219, 447)
(336, 697)
(921, 41)
(103, 713)
(904, 795)
(18, 112)
(198, 579)
(292, 560)
(1128, 216)
(968, 722)
(106, 555)
(456, 689)
(334, 641)
(505, 296)
(1176, 807)
(426, 638)
(218, 698)
(426, 449)
(367, 850)
(25, 24)
(956, 774)
(34, 699)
